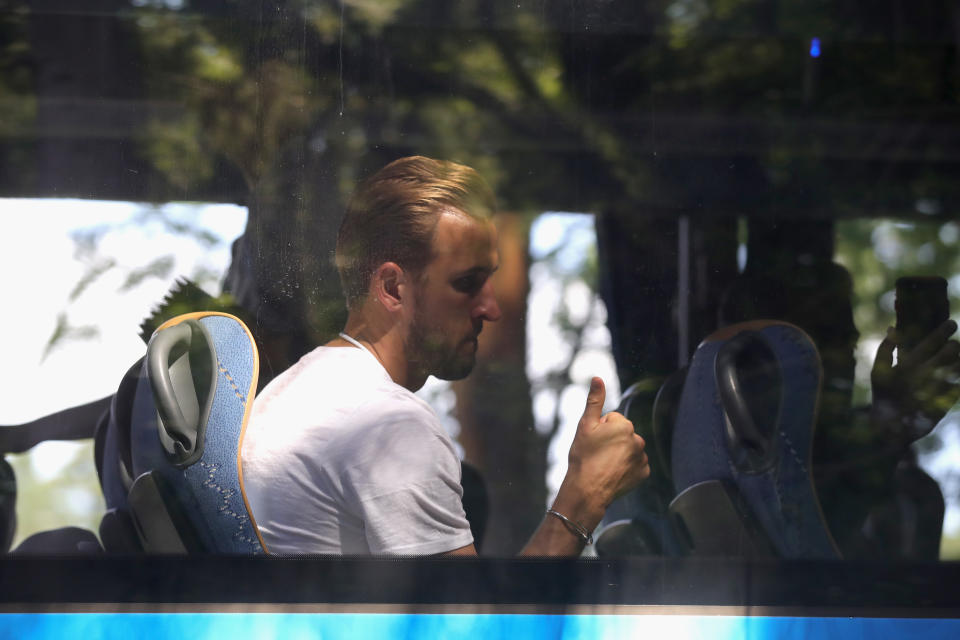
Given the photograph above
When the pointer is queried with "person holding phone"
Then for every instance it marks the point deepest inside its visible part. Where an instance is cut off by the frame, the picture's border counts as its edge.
(863, 465)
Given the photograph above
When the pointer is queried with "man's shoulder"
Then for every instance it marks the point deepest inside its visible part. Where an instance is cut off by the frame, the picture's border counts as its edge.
(338, 364)
(345, 388)
(395, 409)
(355, 379)
(325, 375)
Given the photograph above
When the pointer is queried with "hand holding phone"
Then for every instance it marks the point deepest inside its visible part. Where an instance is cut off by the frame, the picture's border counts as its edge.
(909, 399)
(921, 305)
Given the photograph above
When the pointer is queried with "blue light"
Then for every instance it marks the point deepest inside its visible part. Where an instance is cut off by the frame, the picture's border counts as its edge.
(815, 47)
(347, 626)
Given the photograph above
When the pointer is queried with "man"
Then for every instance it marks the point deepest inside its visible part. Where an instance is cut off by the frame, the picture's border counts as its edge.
(340, 456)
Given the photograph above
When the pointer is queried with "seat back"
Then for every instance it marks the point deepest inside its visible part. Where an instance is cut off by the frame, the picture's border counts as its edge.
(75, 423)
(189, 412)
(742, 445)
(8, 505)
(638, 523)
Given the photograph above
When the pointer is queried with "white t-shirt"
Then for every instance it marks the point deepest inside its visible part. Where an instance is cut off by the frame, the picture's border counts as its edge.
(339, 459)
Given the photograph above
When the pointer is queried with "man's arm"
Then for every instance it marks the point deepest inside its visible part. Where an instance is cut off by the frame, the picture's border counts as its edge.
(606, 460)
(910, 398)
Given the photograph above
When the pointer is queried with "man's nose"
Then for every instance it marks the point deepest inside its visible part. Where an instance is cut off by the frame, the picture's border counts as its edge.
(487, 308)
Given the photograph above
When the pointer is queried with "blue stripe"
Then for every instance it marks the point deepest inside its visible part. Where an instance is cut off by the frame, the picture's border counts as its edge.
(334, 626)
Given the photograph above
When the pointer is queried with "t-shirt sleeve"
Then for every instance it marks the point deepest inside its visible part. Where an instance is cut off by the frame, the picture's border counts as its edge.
(405, 485)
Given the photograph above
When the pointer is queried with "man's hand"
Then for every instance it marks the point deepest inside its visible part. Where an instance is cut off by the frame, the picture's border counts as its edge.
(909, 399)
(607, 458)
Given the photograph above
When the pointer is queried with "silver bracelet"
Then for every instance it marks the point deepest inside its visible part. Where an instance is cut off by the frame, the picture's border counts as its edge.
(574, 527)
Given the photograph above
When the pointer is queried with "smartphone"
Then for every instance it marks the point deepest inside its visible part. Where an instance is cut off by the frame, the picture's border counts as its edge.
(921, 305)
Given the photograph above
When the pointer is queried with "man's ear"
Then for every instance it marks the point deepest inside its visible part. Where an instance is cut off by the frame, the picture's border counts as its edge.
(387, 284)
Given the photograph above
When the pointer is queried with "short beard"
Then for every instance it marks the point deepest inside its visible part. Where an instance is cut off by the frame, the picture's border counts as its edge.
(427, 353)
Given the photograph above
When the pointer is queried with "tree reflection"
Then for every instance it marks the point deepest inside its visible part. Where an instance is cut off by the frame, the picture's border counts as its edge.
(642, 112)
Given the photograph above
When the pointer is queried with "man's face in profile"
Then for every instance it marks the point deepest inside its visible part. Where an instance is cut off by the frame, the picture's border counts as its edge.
(453, 297)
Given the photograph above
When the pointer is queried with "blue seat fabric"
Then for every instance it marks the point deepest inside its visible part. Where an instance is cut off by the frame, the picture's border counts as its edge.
(781, 496)
(208, 492)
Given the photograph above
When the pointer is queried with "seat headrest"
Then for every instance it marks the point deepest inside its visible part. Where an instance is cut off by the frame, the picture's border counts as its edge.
(190, 412)
(746, 420)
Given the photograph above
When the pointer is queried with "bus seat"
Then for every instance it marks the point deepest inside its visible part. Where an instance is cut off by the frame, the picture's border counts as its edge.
(8, 505)
(909, 524)
(741, 447)
(75, 423)
(188, 415)
(62, 541)
(112, 442)
(638, 523)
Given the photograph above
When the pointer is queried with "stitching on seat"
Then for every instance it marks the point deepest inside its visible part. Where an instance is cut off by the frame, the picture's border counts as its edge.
(226, 494)
(230, 379)
(793, 451)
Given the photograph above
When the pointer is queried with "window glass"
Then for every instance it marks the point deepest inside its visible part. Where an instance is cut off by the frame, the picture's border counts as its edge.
(97, 270)
(707, 203)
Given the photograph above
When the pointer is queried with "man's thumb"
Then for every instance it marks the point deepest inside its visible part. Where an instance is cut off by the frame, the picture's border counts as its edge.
(595, 399)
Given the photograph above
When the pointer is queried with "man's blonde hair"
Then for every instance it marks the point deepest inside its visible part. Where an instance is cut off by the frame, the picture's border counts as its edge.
(392, 215)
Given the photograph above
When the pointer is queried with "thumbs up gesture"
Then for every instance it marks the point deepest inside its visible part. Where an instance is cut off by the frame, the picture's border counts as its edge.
(606, 459)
